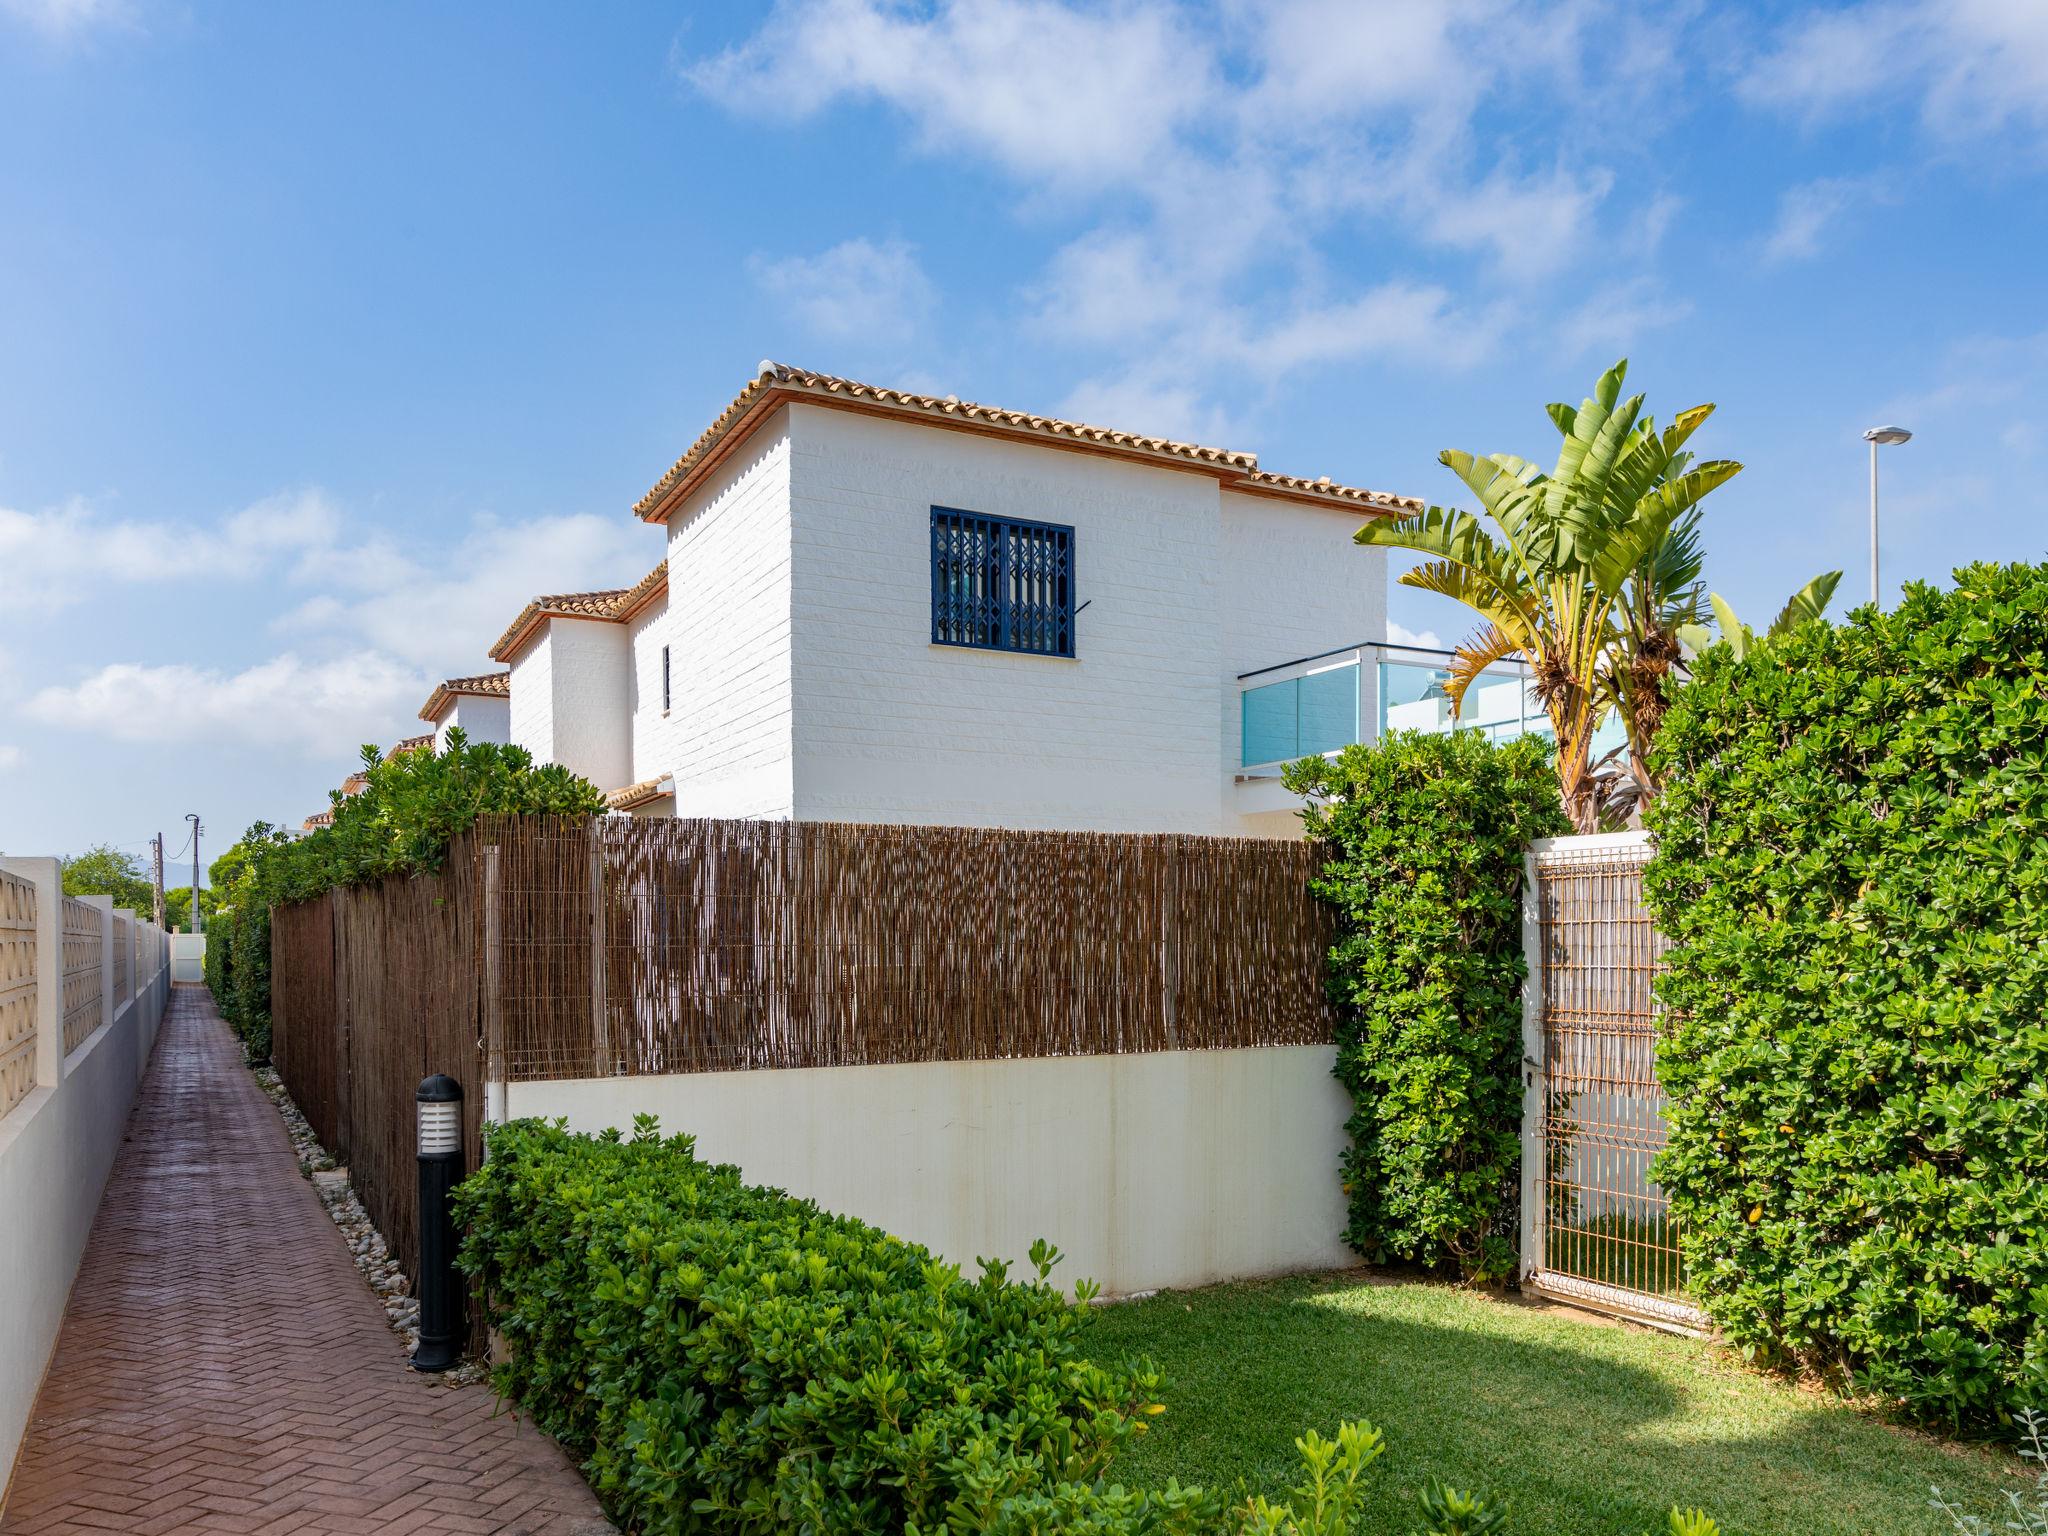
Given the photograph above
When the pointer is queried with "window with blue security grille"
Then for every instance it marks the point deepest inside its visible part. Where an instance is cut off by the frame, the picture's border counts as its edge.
(1002, 583)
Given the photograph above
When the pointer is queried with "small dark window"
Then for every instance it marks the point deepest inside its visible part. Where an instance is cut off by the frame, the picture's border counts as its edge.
(664, 680)
(1002, 584)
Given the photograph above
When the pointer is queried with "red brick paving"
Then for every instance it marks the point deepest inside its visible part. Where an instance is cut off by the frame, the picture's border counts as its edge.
(224, 1368)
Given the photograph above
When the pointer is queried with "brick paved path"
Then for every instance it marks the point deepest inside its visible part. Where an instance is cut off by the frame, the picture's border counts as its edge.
(224, 1368)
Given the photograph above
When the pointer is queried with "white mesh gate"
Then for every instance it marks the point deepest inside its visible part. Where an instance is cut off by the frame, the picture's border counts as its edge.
(1596, 1229)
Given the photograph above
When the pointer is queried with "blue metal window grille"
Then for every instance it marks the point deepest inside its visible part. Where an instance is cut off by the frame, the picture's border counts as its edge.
(1002, 584)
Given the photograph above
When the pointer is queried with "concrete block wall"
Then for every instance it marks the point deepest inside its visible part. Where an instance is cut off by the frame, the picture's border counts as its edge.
(57, 1143)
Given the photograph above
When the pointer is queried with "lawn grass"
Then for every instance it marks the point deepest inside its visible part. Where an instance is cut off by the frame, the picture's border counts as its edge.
(1581, 1427)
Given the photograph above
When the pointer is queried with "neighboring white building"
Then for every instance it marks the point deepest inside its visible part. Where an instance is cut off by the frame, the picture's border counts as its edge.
(571, 677)
(481, 706)
(889, 607)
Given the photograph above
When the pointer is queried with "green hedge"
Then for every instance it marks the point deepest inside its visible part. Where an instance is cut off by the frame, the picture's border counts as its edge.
(1425, 835)
(733, 1359)
(1851, 863)
(401, 822)
(715, 1350)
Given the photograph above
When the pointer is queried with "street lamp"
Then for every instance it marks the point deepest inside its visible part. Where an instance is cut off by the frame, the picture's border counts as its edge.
(1875, 436)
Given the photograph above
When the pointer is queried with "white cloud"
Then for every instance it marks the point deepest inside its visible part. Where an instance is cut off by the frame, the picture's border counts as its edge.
(1614, 321)
(68, 18)
(1400, 634)
(1045, 89)
(443, 607)
(320, 709)
(1216, 155)
(57, 556)
(856, 289)
(1806, 213)
(1975, 68)
(10, 756)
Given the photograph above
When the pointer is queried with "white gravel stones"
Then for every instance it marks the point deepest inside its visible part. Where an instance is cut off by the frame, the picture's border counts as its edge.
(365, 1242)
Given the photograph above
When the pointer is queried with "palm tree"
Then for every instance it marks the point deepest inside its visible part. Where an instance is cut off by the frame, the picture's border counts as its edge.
(1594, 577)
(1587, 572)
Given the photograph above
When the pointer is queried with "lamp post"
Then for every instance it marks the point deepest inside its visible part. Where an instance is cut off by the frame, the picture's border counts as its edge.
(1877, 436)
(439, 1101)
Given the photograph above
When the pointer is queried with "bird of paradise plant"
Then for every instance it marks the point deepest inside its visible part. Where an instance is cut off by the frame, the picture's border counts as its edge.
(1591, 572)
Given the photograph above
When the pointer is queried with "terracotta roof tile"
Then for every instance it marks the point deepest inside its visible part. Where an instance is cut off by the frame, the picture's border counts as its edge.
(614, 606)
(646, 792)
(410, 744)
(775, 385)
(486, 685)
(317, 820)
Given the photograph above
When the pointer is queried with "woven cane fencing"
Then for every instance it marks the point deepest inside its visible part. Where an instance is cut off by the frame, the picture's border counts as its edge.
(1597, 1226)
(550, 948)
(371, 990)
(730, 945)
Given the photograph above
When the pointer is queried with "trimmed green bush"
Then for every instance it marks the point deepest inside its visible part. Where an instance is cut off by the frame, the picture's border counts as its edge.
(730, 1357)
(1425, 835)
(1852, 867)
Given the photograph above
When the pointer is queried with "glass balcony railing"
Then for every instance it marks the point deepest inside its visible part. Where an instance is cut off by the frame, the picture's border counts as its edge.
(1322, 704)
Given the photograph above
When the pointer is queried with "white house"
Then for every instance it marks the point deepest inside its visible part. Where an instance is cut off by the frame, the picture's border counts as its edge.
(884, 606)
(481, 706)
(571, 676)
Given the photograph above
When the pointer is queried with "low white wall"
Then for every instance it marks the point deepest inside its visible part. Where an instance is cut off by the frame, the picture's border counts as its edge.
(188, 957)
(57, 1147)
(1176, 1168)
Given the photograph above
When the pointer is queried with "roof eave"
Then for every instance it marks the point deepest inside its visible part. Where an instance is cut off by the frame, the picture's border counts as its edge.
(660, 503)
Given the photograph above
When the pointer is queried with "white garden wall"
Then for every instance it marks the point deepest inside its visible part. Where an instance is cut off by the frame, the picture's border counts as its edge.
(57, 1142)
(1176, 1168)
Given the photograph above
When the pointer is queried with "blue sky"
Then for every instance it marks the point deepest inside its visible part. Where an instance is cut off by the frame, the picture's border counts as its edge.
(330, 334)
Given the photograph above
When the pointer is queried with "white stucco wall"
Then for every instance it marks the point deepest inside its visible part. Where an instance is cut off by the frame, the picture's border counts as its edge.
(481, 719)
(570, 687)
(589, 678)
(1175, 1168)
(1294, 585)
(646, 633)
(890, 727)
(727, 735)
(531, 715)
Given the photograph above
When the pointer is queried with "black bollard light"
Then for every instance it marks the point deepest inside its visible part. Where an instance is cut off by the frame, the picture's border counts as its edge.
(439, 1100)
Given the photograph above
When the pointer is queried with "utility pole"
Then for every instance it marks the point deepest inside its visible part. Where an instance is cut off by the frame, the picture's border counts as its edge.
(196, 829)
(156, 861)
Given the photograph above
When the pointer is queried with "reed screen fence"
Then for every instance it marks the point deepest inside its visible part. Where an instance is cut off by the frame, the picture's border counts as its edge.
(564, 948)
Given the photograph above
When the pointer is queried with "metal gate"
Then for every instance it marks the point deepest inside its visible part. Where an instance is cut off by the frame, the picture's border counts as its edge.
(1596, 1229)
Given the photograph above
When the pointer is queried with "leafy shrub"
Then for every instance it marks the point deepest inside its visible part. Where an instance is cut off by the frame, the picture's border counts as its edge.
(1425, 835)
(714, 1350)
(401, 822)
(731, 1358)
(1851, 867)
